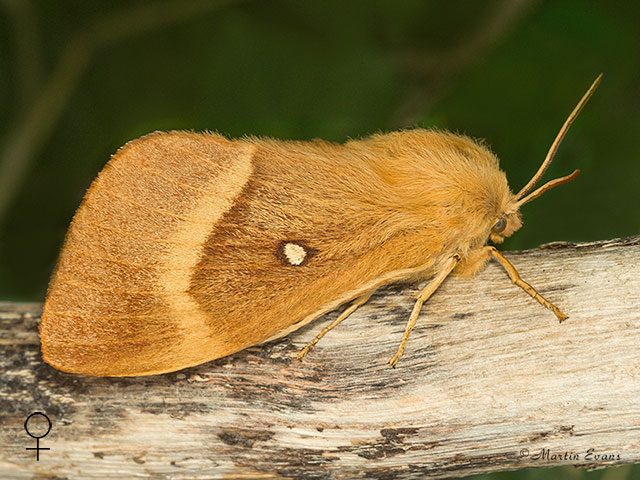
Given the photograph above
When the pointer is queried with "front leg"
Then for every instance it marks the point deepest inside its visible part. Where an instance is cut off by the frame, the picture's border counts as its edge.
(476, 259)
(515, 278)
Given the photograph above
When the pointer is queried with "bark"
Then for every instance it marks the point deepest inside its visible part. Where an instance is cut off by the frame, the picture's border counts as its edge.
(489, 380)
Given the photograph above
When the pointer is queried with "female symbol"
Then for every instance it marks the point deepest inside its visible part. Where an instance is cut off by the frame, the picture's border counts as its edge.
(37, 447)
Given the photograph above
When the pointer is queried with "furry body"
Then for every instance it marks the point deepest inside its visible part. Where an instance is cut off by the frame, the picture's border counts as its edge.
(175, 256)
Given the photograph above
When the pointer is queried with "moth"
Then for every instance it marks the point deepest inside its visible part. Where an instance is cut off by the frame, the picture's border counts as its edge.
(189, 247)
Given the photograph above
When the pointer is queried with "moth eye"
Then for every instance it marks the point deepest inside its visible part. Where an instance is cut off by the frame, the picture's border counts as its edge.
(500, 225)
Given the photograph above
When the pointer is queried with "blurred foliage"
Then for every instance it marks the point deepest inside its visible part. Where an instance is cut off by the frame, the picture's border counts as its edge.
(333, 69)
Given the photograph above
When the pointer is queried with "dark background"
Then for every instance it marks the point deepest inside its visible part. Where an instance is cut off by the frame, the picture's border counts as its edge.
(79, 79)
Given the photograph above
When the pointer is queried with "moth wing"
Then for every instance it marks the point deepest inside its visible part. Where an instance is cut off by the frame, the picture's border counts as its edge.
(129, 250)
(189, 247)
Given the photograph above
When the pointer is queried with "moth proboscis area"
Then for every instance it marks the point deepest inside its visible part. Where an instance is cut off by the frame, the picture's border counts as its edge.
(189, 247)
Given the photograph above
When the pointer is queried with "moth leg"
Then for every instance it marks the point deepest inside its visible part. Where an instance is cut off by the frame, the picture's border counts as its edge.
(423, 296)
(358, 302)
(515, 278)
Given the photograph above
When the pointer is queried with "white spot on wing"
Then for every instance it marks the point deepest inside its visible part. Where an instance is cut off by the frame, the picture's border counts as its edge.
(294, 253)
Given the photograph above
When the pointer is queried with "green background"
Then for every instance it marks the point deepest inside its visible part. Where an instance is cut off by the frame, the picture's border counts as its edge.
(79, 79)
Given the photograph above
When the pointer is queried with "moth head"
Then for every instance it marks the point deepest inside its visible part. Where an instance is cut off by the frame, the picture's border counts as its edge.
(509, 220)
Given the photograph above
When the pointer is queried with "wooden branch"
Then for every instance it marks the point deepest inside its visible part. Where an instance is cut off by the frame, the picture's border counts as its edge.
(489, 381)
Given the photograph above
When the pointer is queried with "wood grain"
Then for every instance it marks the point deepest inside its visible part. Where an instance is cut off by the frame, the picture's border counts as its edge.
(488, 374)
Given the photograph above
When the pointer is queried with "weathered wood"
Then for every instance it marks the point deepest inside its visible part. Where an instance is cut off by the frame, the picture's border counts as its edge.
(488, 373)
